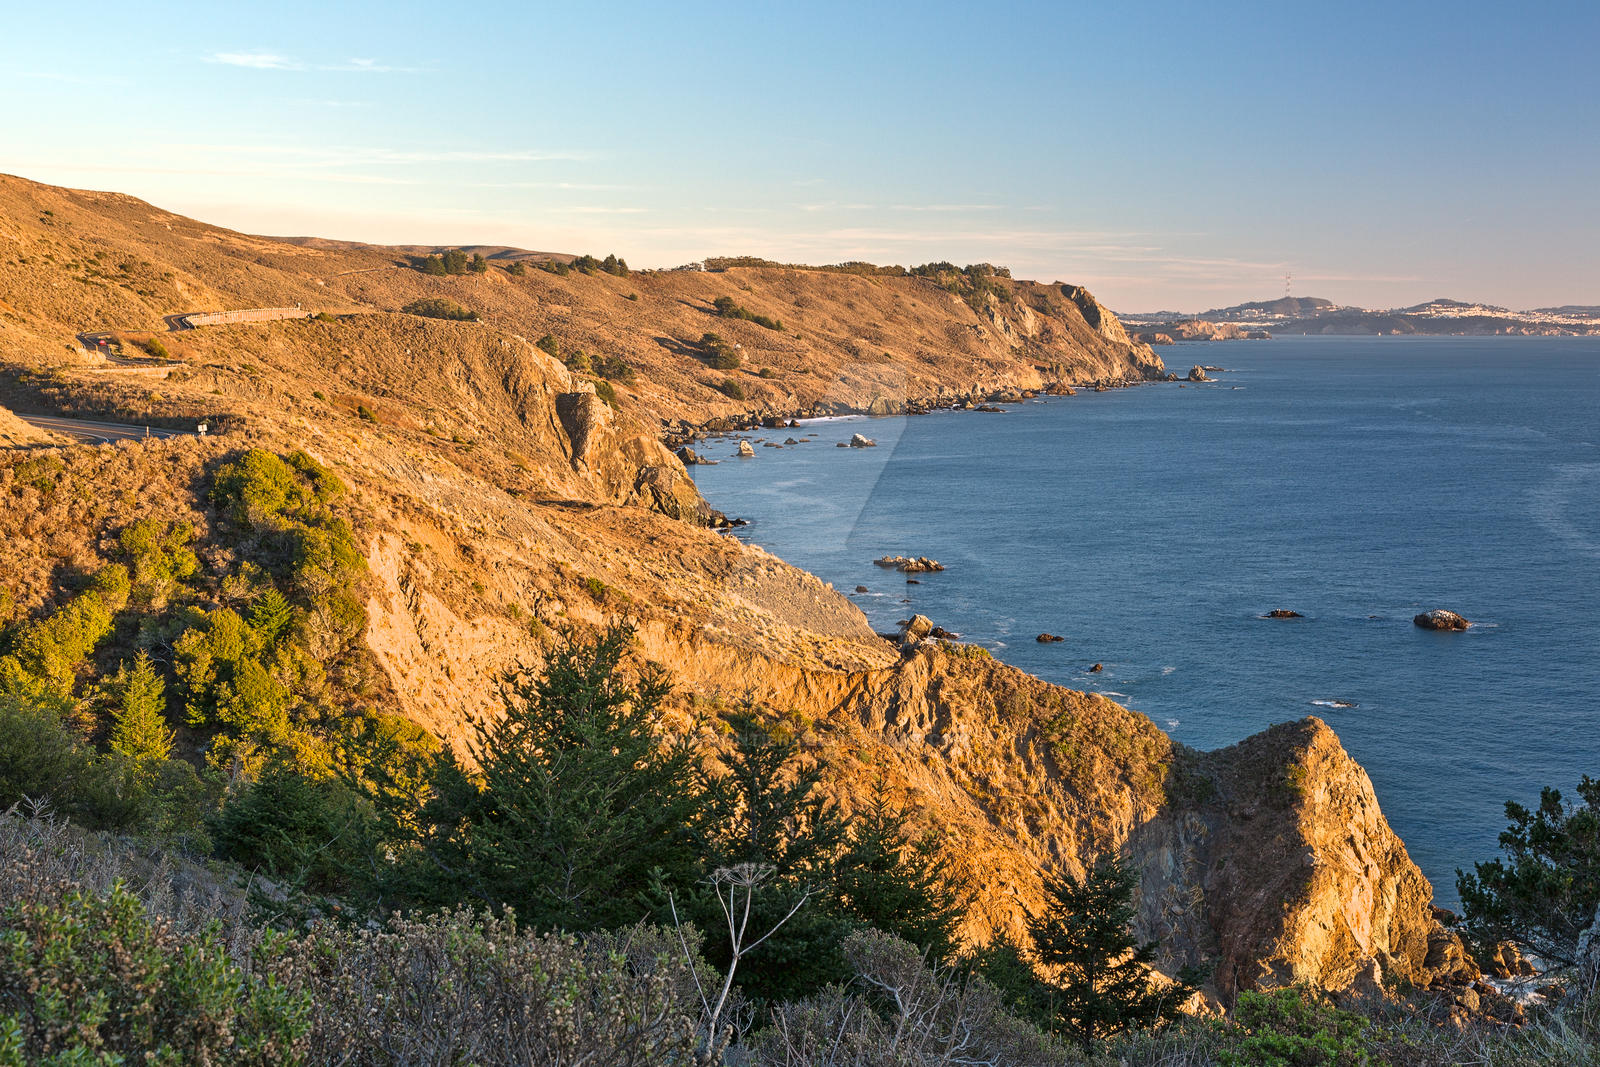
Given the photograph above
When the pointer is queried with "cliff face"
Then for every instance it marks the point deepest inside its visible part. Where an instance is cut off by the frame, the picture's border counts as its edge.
(498, 498)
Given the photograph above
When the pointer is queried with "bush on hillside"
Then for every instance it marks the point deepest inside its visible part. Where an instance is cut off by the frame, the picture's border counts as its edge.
(731, 389)
(727, 308)
(437, 307)
(719, 353)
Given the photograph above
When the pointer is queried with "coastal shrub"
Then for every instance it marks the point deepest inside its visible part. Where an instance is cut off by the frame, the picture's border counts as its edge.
(607, 392)
(766, 374)
(517, 269)
(87, 978)
(1546, 891)
(586, 264)
(731, 389)
(438, 307)
(158, 558)
(728, 308)
(46, 654)
(558, 267)
(1290, 1028)
(467, 987)
(313, 833)
(613, 368)
(549, 346)
(450, 262)
(719, 353)
(154, 347)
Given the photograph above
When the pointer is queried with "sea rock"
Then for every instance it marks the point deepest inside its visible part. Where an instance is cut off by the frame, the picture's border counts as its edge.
(1045, 639)
(842, 444)
(1440, 619)
(745, 451)
(862, 441)
(942, 634)
(1097, 668)
(790, 441)
(862, 589)
(689, 456)
(912, 581)
(1197, 373)
(1282, 613)
(910, 565)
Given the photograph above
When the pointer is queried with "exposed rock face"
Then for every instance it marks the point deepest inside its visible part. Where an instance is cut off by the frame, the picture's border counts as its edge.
(1046, 639)
(1440, 619)
(1283, 613)
(862, 441)
(1197, 373)
(688, 456)
(1094, 313)
(745, 451)
(1303, 880)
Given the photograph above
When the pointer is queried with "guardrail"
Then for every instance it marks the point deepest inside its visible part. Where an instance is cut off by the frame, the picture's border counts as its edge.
(219, 318)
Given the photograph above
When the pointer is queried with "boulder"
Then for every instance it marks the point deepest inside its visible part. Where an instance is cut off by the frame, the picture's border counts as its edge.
(914, 629)
(745, 451)
(1440, 619)
(1045, 639)
(862, 441)
(942, 634)
(790, 441)
(909, 565)
(1197, 373)
(1097, 668)
(1282, 613)
(862, 589)
(689, 456)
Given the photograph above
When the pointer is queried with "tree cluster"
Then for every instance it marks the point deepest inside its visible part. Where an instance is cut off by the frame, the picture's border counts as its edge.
(452, 261)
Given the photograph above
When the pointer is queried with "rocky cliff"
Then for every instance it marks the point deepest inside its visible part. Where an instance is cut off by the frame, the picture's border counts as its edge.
(500, 494)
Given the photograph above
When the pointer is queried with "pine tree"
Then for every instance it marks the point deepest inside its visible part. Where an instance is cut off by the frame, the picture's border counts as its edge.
(271, 616)
(582, 807)
(139, 730)
(762, 803)
(1104, 974)
(894, 883)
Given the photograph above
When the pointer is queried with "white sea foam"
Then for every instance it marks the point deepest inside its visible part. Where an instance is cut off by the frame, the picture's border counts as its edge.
(1336, 703)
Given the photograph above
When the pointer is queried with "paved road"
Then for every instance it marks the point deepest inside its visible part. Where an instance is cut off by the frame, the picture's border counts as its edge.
(99, 432)
(101, 343)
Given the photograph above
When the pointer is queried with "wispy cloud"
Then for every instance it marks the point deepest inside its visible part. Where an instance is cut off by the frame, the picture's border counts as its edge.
(263, 60)
(355, 156)
(255, 60)
(945, 208)
(370, 66)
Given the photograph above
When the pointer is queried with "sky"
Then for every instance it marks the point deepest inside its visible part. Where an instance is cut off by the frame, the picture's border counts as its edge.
(1167, 155)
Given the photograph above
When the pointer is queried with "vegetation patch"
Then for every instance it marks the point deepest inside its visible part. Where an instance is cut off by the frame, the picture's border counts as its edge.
(438, 307)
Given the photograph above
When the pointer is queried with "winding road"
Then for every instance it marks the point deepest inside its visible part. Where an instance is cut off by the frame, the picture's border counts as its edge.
(99, 433)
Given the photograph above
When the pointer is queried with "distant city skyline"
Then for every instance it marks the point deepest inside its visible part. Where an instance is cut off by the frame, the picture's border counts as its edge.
(1166, 155)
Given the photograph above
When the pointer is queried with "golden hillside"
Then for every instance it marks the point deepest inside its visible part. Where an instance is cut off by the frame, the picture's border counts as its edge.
(496, 498)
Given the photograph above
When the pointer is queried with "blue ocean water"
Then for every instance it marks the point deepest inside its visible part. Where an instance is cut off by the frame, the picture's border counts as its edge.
(1356, 480)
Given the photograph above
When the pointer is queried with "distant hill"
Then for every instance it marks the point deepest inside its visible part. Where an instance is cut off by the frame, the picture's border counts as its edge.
(1314, 315)
(1287, 306)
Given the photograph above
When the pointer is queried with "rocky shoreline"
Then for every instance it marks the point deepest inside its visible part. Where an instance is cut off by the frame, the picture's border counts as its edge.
(680, 433)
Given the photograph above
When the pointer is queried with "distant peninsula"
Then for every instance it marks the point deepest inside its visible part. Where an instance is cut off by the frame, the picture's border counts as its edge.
(1304, 315)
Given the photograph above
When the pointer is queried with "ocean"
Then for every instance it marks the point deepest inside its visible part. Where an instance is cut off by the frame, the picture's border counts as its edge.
(1355, 480)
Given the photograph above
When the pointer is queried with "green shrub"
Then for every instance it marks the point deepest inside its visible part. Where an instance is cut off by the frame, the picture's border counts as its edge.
(766, 374)
(90, 979)
(549, 346)
(719, 353)
(613, 368)
(438, 307)
(159, 558)
(365, 414)
(731, 389)
(517, 269)
(607, 392)
(155, 348)
(314, 833)
(1293, 1028)
(727, 308)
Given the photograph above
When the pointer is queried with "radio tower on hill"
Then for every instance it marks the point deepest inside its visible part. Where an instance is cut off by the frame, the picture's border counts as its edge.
(1287, 278)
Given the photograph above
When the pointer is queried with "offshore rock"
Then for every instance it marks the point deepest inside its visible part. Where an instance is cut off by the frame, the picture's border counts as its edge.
(862, 441)
(1197, 373)
(745, 451)
(1440, 619)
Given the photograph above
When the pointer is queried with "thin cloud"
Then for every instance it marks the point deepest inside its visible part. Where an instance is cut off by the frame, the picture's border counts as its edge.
(370, 66)
(945, 207)
(255, 60)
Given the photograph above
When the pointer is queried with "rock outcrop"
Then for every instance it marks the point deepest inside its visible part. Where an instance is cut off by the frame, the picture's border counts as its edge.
(1441, 619)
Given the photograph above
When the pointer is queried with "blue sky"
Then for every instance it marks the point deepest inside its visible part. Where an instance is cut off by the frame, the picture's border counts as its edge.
(1168, 155)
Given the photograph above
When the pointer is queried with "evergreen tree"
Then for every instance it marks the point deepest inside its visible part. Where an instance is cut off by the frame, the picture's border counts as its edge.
(271, 616)
(581, 807)
(1546, 892)
(1103, 984)
(139, 731)
(762, 804)
(893, 883)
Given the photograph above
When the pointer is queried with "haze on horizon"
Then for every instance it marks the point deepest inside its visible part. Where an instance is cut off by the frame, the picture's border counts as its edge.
(1166, 155)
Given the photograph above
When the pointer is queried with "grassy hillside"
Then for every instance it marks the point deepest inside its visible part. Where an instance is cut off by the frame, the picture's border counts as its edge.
(393, 510)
